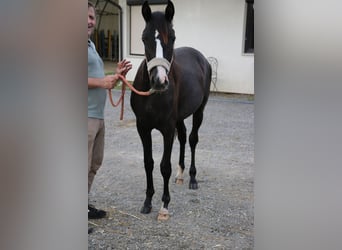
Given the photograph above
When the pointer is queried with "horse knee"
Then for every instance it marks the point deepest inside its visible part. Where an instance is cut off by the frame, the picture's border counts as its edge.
(148, 162)
(165, 171)
(193, 140)
(182, 139)
(181, 134)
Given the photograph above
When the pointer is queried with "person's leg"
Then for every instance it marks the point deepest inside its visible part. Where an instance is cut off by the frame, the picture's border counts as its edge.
(95, 148)
(96, 131)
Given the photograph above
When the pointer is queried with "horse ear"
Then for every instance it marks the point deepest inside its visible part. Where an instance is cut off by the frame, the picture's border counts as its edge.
(146, 11)
(169, 11)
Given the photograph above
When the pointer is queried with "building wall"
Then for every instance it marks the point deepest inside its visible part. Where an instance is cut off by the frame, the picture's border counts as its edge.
(216, 28)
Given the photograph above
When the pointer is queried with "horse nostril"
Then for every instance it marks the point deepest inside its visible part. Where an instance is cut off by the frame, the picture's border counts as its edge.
(155, 79)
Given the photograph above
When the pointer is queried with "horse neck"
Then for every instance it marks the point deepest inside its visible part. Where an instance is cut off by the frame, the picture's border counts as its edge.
(142, 81)
(145, 77)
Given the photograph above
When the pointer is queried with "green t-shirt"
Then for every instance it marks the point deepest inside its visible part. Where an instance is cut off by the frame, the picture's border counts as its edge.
(96, 96)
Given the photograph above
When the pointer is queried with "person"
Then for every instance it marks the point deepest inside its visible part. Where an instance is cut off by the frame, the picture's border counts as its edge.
(98, 83)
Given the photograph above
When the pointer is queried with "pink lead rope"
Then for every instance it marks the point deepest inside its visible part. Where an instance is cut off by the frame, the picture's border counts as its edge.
(122, 97)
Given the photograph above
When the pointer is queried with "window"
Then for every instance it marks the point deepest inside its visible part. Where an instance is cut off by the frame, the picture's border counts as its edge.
(249, 33)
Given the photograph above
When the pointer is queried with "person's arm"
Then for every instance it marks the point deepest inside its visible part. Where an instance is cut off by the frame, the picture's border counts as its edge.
(107, 82)
(110, 81)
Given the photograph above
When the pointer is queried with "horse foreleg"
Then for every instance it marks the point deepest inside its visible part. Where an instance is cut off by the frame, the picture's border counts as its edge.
(145, 136)
(193, 140)
(165, 169)
(181, 131)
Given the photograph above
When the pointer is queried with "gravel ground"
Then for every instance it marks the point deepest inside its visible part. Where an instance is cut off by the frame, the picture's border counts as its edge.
(219, 215)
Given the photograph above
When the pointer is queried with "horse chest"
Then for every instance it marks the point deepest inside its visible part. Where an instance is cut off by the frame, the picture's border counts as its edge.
(156, 110)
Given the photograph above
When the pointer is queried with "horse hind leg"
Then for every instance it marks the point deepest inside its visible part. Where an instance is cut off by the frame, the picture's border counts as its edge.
(181, 132)
(193, 140)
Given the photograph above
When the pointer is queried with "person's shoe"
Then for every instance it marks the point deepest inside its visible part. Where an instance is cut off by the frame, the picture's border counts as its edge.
(94, 213)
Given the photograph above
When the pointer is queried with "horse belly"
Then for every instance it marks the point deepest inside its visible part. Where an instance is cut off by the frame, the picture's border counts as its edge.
(186, 109)
(194, 78)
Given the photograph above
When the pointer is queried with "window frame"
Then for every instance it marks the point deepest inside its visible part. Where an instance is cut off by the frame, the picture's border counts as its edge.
(249, 28)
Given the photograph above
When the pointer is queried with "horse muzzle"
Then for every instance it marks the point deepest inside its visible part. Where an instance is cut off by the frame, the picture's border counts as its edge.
(158, 69)
(159, 79)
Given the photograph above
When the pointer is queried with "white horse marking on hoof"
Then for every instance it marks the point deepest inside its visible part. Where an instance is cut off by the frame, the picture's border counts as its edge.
(179, 176)
(163, 214)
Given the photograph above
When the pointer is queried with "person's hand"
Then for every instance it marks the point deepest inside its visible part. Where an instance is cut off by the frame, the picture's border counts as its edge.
(123, 67)
(110, 81)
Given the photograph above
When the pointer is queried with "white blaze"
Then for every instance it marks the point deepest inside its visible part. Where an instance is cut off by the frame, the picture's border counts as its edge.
(162, 75)
(159, 48)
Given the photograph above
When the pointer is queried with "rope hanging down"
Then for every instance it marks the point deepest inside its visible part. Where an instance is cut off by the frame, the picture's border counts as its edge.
(122, 97)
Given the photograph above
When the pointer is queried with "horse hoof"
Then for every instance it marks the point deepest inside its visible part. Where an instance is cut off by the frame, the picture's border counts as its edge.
(146, 210)
(179, 181)
(163, 215)
(193, 185)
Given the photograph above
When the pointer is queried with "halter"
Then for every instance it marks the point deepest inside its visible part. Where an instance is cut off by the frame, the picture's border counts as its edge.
(157, 61)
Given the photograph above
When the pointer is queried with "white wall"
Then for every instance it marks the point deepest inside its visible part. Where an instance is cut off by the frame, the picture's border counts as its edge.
(216, 28)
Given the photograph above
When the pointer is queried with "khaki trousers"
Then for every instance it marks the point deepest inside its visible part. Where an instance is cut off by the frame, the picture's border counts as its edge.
(96, 131)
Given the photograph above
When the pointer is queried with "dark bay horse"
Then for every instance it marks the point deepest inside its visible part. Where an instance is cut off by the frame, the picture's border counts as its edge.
(179, 80)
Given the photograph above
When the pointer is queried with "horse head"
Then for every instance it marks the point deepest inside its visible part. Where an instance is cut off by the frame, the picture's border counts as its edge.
(158, 38)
